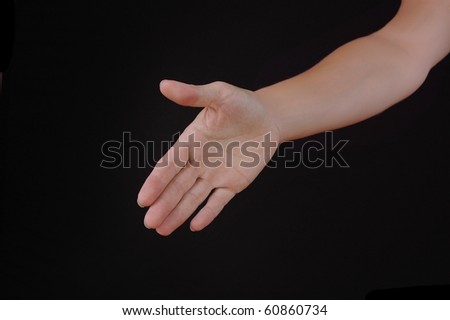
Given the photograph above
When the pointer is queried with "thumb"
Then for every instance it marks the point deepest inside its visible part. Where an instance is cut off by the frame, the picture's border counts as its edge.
(190, 95)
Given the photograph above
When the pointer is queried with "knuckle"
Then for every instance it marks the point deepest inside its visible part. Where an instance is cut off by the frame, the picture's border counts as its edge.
(212, 210)
(218, 84)
(194, 195)
(222, 89)
(162, 205)
(178, 186)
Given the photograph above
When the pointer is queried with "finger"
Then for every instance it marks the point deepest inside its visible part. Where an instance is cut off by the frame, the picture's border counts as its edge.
(218, 199)
(190, 201)
(165, 170)
(192, 95)
(170, 197)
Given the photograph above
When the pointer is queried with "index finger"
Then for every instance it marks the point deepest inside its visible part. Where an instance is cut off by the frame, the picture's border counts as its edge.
(165, 170)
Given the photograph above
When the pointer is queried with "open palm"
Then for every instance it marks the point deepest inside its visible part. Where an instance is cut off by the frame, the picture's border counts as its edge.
(218, 155)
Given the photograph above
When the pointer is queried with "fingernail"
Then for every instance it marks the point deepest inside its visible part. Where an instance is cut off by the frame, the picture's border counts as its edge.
(145, 225)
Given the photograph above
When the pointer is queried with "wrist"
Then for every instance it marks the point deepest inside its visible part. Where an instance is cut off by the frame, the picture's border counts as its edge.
(296, 107)
(274, 113)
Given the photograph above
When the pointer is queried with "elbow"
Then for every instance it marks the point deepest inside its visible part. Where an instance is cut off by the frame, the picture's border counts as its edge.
(410, 67)
(414, 75)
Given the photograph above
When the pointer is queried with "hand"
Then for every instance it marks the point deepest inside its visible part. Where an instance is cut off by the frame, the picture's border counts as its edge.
(234, 126)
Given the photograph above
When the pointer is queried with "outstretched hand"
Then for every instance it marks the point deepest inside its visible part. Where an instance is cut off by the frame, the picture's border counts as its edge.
(218, 155)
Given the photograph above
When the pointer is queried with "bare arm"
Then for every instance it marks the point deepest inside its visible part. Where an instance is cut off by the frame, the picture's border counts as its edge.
(355, 82)
(365, 76)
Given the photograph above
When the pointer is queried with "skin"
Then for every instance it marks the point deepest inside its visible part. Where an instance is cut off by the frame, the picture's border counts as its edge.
(357, 81)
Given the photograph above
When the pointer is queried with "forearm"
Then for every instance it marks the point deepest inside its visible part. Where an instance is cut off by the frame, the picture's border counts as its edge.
(355, 82)
(365, 76)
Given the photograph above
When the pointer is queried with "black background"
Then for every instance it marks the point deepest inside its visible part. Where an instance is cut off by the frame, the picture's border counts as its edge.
(83, 73)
